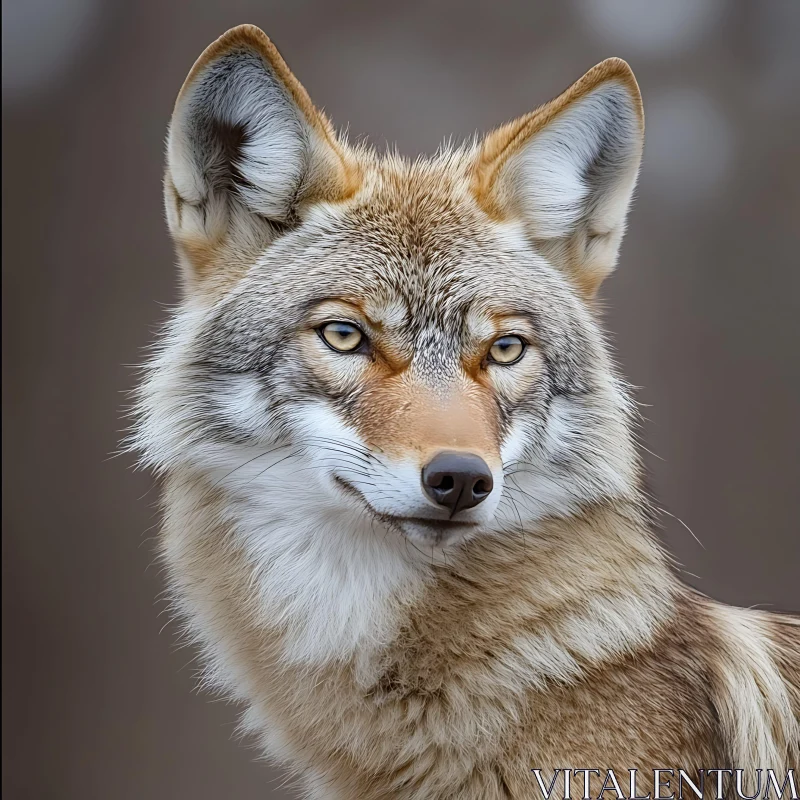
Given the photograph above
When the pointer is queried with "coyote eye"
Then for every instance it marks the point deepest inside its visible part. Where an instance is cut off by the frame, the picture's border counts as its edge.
(341, 336)
(507, 350)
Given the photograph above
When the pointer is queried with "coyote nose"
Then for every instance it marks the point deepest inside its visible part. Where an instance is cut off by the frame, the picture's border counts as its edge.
(457, 480)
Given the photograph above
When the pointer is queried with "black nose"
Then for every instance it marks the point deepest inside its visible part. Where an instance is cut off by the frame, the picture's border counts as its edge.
(457, 480)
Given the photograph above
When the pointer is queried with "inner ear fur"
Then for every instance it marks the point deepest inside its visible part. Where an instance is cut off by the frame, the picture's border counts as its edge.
(246, 151)
(567, 172)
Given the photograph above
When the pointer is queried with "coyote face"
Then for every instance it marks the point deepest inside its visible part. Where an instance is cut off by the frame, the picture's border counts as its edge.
(412, 343)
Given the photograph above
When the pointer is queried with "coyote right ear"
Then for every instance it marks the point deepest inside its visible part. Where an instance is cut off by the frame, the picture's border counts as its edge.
(246, 148)
(567, 171)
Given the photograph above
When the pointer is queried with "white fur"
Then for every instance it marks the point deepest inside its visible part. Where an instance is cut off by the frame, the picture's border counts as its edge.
(753, 700)
(272, 159)
(548, 174)
(324, 575)
(319, 565)
(166, 433)
(543, 489)
(321, 569)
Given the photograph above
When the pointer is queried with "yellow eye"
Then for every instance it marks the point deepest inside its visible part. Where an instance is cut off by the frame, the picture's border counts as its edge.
(341, 336)
(507, 350)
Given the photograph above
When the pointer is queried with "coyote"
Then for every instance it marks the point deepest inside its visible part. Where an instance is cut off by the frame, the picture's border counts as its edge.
(403, 507)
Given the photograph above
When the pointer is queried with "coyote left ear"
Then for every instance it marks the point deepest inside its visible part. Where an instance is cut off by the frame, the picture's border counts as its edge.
(567, 171)
(246, 152)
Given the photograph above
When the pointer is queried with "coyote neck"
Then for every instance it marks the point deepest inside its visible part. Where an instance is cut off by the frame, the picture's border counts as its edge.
(567, 593)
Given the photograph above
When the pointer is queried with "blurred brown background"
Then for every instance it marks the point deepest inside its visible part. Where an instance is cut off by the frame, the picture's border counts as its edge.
(705, 311)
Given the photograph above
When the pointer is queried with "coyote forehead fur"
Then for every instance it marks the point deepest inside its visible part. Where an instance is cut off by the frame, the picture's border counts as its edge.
(351, 322)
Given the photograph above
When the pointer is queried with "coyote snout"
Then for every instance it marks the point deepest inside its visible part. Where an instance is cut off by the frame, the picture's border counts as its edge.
(435, 469)
(457, 481)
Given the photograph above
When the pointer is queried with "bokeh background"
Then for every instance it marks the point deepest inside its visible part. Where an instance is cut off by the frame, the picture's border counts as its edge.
(98, 702)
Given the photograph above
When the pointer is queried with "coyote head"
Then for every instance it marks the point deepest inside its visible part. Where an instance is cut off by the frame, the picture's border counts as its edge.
(411, 344)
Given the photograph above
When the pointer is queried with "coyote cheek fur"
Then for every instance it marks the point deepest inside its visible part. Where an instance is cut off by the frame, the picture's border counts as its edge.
(400, 626)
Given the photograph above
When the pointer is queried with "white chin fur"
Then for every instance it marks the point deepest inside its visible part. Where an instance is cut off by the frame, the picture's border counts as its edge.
(326, 568)
(323, 570)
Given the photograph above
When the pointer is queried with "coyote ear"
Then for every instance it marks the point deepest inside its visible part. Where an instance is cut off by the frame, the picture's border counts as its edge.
(567, 171)
(245, 149)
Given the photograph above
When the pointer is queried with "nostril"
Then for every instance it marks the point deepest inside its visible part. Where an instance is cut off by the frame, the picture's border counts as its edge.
(481, 488)
(447, 483)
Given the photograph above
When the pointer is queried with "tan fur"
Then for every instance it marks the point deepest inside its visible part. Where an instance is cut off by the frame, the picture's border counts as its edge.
(454, 709)
(563, 640)
(399, 417)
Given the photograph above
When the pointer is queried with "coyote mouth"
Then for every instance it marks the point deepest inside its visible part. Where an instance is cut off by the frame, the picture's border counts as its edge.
(433, 524)
(433, 527)
(351, 490)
